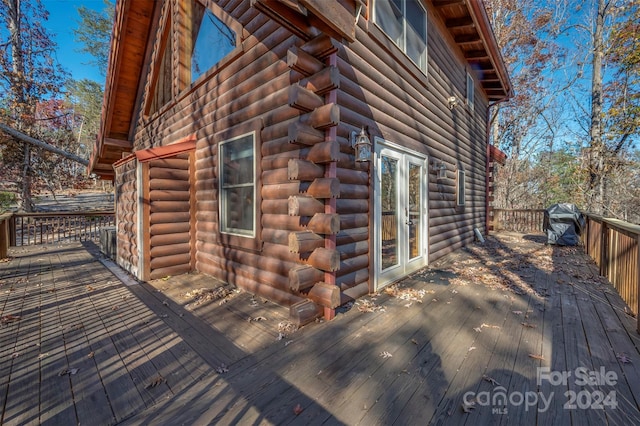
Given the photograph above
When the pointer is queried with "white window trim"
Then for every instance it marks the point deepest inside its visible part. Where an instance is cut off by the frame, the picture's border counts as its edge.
(404, 34)
(460, 187)
(470, 92)
(221, 202)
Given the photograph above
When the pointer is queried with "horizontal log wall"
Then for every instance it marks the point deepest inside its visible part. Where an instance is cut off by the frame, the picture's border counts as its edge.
(255, 85)
(169, 216)
(126, 215)
(305, 171)
(400, 104)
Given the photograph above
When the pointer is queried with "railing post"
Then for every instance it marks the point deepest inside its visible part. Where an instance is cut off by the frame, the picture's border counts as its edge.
(4, 237)
(603, 249)
(638, 285)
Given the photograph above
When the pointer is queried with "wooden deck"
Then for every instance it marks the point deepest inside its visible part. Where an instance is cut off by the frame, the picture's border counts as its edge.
(460, 343)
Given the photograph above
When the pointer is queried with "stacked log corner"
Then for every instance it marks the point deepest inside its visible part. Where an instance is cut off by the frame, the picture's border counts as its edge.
(312, 80)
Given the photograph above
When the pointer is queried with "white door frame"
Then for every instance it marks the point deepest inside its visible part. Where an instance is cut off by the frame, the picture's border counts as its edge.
(405, 265)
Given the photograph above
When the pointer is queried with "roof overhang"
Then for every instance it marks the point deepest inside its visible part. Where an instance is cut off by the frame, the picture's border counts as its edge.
(468, 24)
(129, 41)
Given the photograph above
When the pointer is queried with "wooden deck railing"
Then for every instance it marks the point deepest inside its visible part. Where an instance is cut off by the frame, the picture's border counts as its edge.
(615, 247)
(23, 229)
(612, 244)
(518, 220)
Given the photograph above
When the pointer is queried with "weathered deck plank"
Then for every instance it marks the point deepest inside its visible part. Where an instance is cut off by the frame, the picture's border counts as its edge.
(332, 372)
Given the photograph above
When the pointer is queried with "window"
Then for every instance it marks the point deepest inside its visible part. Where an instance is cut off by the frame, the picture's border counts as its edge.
(470, 91)
(460, 189)
(162, 89)
(238, 186)
(212, 40)
(405, 22)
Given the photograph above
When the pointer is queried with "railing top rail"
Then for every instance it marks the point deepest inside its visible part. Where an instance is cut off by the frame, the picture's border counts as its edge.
(616, 223)
(520, 210)
(59, 214)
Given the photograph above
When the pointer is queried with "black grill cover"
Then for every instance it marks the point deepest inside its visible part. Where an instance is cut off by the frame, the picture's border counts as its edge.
(563, 224)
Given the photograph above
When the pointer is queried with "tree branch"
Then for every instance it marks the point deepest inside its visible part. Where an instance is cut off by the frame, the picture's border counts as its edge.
(33, 141)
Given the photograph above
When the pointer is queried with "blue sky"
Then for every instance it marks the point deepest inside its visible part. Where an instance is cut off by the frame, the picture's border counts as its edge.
(63, 19)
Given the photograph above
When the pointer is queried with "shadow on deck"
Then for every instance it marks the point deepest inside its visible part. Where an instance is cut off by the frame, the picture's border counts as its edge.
(510, 332)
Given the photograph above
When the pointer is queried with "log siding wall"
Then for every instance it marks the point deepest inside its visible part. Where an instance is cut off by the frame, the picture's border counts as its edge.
(315, 202)
(169, 216)
(126, 196)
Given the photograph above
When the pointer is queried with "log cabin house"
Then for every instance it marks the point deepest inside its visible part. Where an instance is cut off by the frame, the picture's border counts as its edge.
(308, 151)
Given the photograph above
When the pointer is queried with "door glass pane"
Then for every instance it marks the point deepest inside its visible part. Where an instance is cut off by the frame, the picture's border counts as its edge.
(389, 200)
(414, 210)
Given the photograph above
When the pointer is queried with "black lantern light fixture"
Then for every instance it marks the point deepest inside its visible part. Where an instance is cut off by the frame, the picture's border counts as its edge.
(441, 169)
(362, 145)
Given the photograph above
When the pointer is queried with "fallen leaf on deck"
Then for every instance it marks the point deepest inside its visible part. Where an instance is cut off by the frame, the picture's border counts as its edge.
(155, 382)
(10, 318)
(385, 354)
(250, 319)
(166, 278)
(623, 358)
(115, 308)
(478, 329)
(165, 303)
(528, 325)
(414, 341)
(43, 355)
(471, 348)
(490, 380)
(538, 357)
(91, 354)
(222, 369)
(90, 288)
(466, 408)
(16, 354)
(297, 409)
(69, 371)
(517, 312)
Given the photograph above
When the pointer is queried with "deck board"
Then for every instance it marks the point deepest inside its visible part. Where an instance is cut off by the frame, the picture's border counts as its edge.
(73, 306)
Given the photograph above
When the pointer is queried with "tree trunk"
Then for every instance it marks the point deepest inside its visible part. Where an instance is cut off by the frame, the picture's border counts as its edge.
(596, 190)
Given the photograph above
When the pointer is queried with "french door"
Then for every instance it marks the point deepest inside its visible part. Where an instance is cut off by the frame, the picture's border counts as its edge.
(400, 215)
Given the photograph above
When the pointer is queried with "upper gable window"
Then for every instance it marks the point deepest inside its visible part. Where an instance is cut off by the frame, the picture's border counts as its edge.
(212, 40)
(405, 22)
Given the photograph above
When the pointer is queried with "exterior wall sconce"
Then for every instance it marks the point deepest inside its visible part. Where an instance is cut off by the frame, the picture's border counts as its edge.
(362, 145)
(440, 169)
(453, 102)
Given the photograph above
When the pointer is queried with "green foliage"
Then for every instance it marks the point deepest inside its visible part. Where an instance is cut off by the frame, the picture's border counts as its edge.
(7, 199)
(94, 33)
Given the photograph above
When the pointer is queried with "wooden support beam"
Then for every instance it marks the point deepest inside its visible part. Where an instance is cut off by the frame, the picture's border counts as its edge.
(322, 82)
(464, 22)
(302, 62)
(327, 295)
(322, 258)
(304, 134)
(303, 170)
(304, 99)
(304, 206)
(321, 46)
(476, 54)
(303, 277)
(285, 16)
(322, 117)
(304, 312)
(304, 241)
(324, 152)
(325, 223)
(324, 188)
(335, 15)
